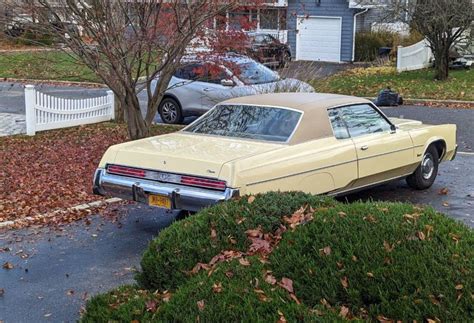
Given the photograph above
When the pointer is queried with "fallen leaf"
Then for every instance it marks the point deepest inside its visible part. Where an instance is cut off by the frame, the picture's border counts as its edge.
(388, 247)
(200, 305)
(344, 311)
(217, 287)
(8, 265)
(383, 319)
(341, 214)
(229, 274)
(370, 218)
(151, 306)
(326, 251)
(281, 318)
(200, 266)
(70, 292)
(345, 282)
(459, 287)
(2, 292)
(420, 235)
(48, 315)
(251, 199)
(443, 191)
(287, 284)
(445, 204)
(369, 274)
(213, 234)
(270, 279)
(293, 297)
(244, 262)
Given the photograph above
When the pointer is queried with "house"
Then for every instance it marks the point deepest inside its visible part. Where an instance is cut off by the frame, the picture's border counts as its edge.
(316, 30)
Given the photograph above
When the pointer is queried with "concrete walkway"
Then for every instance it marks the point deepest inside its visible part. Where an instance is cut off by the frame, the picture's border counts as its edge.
(12, 124)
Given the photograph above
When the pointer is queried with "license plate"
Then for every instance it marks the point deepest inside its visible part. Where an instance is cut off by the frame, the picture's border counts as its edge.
(159, 201)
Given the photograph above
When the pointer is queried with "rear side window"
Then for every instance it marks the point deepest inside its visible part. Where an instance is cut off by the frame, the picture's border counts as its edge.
(338, 126)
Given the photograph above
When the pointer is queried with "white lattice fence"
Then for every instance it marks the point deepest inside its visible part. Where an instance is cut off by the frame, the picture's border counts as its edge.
(45, 112)
(414, 57)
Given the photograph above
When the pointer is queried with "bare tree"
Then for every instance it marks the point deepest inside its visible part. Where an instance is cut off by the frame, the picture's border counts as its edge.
(443, 23)
(127, 43)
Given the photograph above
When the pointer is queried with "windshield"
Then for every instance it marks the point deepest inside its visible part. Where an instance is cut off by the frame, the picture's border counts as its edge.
(244, 121)
(251, 73)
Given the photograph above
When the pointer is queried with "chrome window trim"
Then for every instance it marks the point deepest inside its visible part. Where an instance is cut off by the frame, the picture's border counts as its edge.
(250, 139)
(371, 104)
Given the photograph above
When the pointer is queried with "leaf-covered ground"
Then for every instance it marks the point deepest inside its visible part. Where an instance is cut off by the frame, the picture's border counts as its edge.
(367, 82)
(53, 170)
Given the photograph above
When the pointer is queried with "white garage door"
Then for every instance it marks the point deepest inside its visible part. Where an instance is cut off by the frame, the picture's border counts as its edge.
(319, 39)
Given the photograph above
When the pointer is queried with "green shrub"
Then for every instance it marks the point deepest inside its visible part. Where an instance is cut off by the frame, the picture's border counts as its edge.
(182, 245)
(362, 261)
(399, 262)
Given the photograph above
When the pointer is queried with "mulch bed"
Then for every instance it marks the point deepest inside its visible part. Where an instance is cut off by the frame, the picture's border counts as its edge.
(53, 170)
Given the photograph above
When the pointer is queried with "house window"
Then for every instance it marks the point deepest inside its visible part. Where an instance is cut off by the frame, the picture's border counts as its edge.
(243, 20)
(273, 18)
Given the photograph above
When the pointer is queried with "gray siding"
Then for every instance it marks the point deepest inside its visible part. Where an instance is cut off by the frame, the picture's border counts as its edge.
(331, 8)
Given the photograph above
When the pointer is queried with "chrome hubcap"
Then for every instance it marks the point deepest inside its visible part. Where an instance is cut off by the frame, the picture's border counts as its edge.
(427, 166)
(169, 112)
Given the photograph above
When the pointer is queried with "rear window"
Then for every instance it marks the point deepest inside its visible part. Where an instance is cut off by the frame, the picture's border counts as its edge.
(250, 122)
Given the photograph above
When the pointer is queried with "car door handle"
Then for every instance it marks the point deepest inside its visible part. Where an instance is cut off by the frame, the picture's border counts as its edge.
(365, 147)
(207, 89)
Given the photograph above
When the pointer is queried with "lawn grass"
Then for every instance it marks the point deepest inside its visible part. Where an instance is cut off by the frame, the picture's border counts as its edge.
(264, 259)
(367, 82)
(44, 65)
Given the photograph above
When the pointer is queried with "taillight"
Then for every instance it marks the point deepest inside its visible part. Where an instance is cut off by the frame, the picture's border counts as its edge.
(167, 177)
(127, 171)
(203, 182)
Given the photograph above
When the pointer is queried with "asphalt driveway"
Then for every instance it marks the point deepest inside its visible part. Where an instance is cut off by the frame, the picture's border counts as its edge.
(56, 270)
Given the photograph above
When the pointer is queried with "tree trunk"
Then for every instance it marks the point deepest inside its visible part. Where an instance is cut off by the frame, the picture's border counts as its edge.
(442, 66)
(137, 127)
(119, 111)
(442, 62)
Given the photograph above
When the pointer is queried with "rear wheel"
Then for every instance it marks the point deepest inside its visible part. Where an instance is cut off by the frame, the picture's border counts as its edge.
(425, 175)
(170, 111)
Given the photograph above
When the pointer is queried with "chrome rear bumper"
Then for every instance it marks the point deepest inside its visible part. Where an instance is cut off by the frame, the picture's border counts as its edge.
(134, 189)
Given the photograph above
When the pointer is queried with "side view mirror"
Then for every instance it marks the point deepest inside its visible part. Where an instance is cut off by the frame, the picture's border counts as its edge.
(227, 82)
(393, 128)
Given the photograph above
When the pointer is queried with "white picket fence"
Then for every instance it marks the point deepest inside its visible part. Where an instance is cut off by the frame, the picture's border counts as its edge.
(45, 112)
(414, 57)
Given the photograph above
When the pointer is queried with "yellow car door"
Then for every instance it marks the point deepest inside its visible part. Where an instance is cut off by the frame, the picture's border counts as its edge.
(383, 152)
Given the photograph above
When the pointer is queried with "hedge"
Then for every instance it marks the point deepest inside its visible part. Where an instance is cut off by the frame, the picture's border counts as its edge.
(367, 261)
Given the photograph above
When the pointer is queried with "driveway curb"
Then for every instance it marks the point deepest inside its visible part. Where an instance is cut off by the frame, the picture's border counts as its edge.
(80, 207)
(53, 82)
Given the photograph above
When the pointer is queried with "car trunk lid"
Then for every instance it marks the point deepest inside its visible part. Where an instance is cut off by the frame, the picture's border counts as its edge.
(191, 154)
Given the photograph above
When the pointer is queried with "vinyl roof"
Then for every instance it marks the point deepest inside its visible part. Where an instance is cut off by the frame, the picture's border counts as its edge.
(315, 123)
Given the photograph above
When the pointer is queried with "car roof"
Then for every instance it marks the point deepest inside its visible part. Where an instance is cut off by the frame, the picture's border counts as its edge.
(315, 123)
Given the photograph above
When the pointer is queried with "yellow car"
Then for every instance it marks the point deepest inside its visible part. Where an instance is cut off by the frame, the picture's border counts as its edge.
(315, 143)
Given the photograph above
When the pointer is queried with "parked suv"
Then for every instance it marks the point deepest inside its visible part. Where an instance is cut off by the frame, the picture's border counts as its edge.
(268, 50)
(199, 85)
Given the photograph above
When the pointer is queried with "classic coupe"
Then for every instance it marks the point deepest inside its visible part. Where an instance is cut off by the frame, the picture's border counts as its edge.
(316, 143)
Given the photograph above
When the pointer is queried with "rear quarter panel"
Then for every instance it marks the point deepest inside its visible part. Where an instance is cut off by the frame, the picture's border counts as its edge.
(316, 167)
(425, 135)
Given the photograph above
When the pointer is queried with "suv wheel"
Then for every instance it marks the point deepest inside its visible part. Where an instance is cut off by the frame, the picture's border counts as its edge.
(170, 111)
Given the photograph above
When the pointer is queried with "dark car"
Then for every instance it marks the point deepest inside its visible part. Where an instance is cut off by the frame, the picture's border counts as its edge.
(268, 50)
